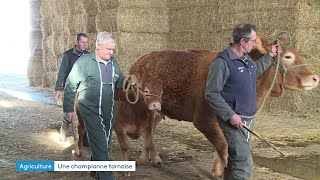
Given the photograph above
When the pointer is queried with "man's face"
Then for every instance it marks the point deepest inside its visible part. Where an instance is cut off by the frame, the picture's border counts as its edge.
(105, 51)
(249, 44)
(82, 43)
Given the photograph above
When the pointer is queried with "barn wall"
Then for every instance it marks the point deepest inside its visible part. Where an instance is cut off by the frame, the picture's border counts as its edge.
(142, 26)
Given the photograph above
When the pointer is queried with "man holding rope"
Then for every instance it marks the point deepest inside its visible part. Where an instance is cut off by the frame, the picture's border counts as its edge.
(231, 92)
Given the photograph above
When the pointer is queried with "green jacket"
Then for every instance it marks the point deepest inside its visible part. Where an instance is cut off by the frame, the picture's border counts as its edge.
(85, 78)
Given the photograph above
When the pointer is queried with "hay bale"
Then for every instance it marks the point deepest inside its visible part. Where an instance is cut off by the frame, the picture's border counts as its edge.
(143, 3)
(143, 20)
(125, 61)
(104, 5)
(140, 43)
(185, 40)
(90, 7)
(35, 65)
(46, 27)
(60, 7)
(60, 25)
(49, 79)
(76, 7)
(107, 21)
(77, 23)
(47, 52)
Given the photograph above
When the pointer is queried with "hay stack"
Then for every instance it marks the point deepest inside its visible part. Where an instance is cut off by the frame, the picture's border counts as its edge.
(142, 27)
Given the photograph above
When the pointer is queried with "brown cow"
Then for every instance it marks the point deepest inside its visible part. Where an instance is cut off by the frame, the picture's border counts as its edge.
(134, 120)
(185, 74)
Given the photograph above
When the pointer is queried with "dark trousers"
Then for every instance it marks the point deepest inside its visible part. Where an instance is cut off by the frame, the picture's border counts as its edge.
(99, 129)
(240, 163)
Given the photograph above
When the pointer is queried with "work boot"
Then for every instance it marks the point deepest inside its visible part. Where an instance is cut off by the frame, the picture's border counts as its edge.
(64, 129)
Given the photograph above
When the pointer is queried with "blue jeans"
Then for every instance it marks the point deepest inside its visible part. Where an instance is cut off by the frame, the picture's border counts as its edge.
(240, 163)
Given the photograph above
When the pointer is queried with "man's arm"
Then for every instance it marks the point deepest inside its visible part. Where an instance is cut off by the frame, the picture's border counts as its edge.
(62, 72)
(266, 61)
(217, 77)
(71, 86)
(263, 64)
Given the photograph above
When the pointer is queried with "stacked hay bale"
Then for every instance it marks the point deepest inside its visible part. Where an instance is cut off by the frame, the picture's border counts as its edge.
(142, 27)
(208, 24)
(35, 69)
(61, 21)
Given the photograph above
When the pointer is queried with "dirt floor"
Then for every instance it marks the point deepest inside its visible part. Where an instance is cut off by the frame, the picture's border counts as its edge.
(30, 121)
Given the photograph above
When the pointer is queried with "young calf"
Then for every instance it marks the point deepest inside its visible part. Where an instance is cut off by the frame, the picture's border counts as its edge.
(134, 121)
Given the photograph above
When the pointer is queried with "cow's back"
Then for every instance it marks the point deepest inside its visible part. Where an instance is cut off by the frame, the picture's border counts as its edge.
(184, 74)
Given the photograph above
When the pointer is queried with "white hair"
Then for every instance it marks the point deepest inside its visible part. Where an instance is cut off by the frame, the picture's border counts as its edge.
(103, 37)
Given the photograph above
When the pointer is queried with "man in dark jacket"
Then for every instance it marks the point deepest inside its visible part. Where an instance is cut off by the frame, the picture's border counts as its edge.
(231, 92)
(68, 59)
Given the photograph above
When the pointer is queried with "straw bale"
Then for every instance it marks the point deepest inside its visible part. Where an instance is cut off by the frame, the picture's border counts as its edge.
(76, 7)
(47, 51)
(212, 41)
(46, 26)
(35, 79)
(49, 79)
(91, 41)
(77, 23)
(126, 60)
(143, 20)
(60, 25)
(309, 14)
(104, 5)
(61, 43)
(91, 24)
(46, 8)
(90, 7)
(143, 3)
(60, 7)
(107, 21)
(140, 43)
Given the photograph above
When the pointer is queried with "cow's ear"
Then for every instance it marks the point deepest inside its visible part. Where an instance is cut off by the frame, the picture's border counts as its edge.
(262, 44)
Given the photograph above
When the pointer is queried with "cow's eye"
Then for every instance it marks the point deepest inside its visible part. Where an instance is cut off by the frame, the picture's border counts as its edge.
(287, 57)
(146, 91)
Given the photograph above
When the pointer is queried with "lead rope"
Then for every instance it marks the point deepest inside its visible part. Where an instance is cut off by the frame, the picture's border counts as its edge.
(284, 69)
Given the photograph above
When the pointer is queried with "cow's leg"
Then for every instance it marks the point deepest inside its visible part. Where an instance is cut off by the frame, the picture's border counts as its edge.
(81, 131)
(212, 131)
(124, 145)
(74, 122)
(148, 141)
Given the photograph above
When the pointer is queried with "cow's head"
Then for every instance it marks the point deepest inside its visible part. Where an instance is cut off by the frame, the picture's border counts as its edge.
(293, 73)
(150, 90)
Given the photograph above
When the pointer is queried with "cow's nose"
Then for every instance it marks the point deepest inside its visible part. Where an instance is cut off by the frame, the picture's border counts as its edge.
(155, 106)
(315, 78)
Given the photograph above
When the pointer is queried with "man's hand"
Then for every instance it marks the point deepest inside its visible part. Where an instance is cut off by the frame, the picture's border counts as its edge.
(57, 94)
(235, 121)
(133, 80)
(275, 49)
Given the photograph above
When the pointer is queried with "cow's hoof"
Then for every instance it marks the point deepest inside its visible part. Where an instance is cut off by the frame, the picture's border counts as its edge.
(143, 161)
(157, 162)
(76, 151)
